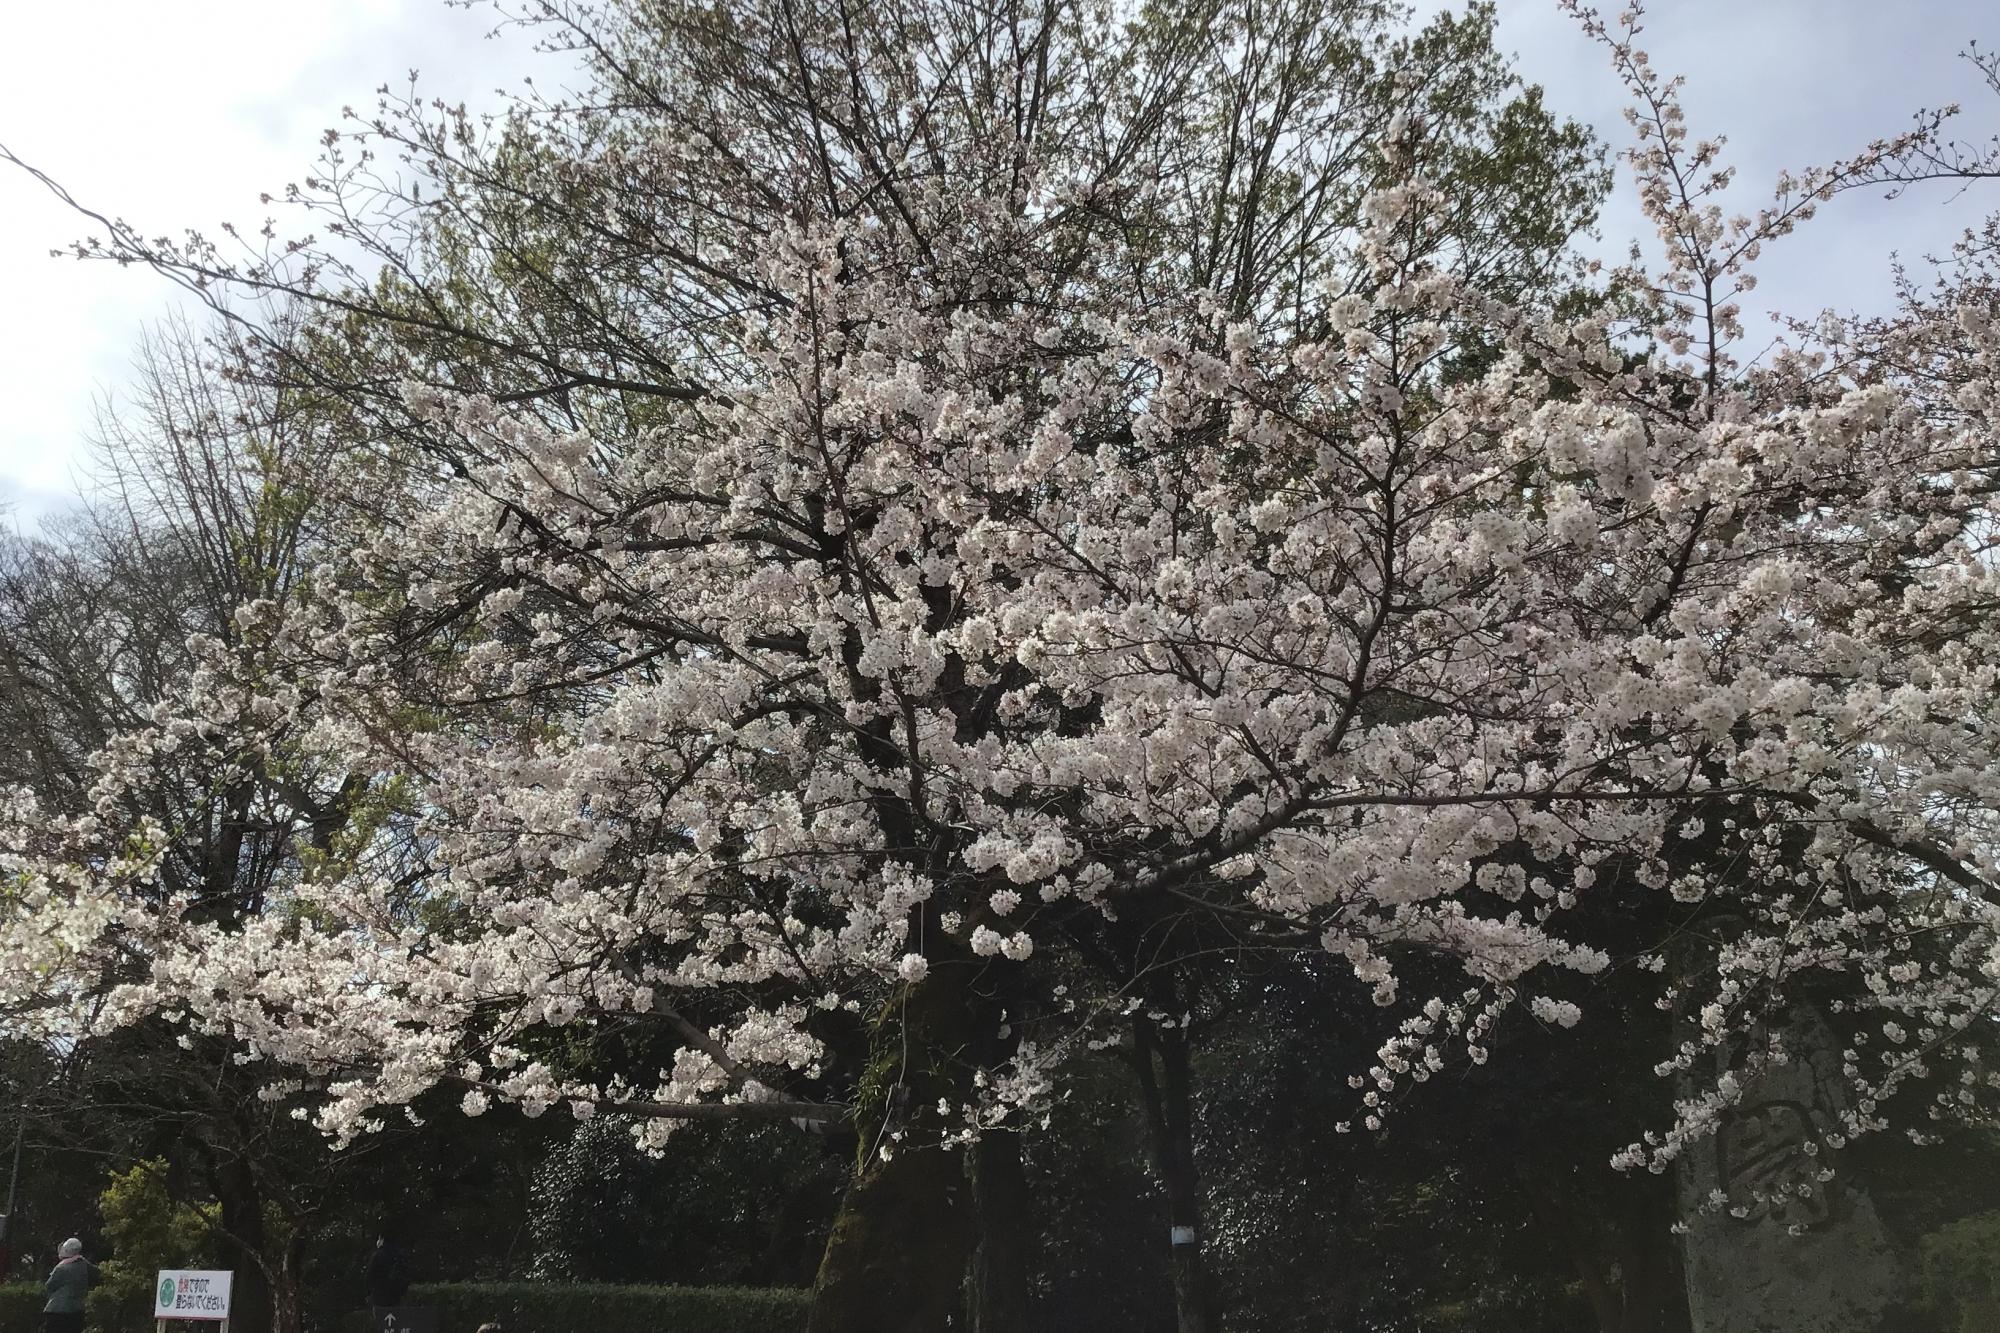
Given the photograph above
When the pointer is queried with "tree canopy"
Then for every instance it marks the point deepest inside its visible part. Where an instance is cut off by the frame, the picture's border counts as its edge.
(872, 545)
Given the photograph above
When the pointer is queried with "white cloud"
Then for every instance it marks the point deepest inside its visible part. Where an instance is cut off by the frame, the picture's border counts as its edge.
(172, 116)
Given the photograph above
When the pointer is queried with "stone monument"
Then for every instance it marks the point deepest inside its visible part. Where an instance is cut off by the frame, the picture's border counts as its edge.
(1789, 1251)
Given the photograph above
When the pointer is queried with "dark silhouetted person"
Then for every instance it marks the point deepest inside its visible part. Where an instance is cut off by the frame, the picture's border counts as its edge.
(388, 1274)
(66, 1287)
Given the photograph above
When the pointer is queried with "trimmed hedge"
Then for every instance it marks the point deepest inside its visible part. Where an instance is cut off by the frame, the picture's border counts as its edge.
(21, 1310)
(519, 1307)
(552, 1307)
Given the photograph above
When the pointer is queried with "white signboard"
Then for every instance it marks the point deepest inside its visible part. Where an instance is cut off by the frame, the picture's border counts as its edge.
(185, 1293)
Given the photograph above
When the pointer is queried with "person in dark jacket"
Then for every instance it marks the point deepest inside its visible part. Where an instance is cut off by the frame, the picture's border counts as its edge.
(66, 1286)
(388, 1274)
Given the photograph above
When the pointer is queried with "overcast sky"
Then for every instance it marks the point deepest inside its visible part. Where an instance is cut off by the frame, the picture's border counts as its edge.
(173, 114)
(178, 113)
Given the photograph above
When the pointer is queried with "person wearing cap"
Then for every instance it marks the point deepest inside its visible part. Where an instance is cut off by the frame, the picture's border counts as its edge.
(66, 1287)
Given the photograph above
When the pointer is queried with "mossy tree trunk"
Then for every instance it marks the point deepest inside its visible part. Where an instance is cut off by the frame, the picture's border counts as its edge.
(896, 1256)
(895, 1261)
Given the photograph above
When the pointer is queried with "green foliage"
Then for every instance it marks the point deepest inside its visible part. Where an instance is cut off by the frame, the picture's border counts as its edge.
(147, 1227)
(369, 812)
(529, 1307)
(726, 1205)
(1099, 1261)
(105, 1311)
(115, 1310)
(1960, 1274)
(21, 1307)
(149, 1230)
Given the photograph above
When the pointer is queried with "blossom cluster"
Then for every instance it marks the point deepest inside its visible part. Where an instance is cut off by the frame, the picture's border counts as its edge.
(937, 629)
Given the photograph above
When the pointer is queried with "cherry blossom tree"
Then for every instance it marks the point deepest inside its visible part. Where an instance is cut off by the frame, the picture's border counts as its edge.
(979, 518)
(208, 503)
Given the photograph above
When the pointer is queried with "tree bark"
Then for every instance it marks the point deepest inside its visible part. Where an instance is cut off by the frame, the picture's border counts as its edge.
(1169, 1099)
(287, 1302)
(251, 1308)
(1645, 1262)
(895, 1260)
(997, 1282)
(1581, 1242)
(1629, 1232)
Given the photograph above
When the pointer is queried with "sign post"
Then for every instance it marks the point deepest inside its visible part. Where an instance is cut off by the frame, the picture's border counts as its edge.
(188, 1293)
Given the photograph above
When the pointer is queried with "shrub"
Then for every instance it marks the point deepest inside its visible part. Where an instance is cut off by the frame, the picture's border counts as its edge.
(20, 1307)
(1961, 1273)
(124, 1309)
(520, 1307)
(149, 1230)
(106, 1311)
(537, 1307)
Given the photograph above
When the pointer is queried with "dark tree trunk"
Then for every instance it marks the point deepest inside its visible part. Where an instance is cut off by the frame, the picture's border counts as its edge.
(997, 1283)
(1169, 1099)
(1655, 1296)
(1581, 1242)
(1644, 1277)
(1620, 1250)
(287, 1299)
(895, 1259)
(242, 1207)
